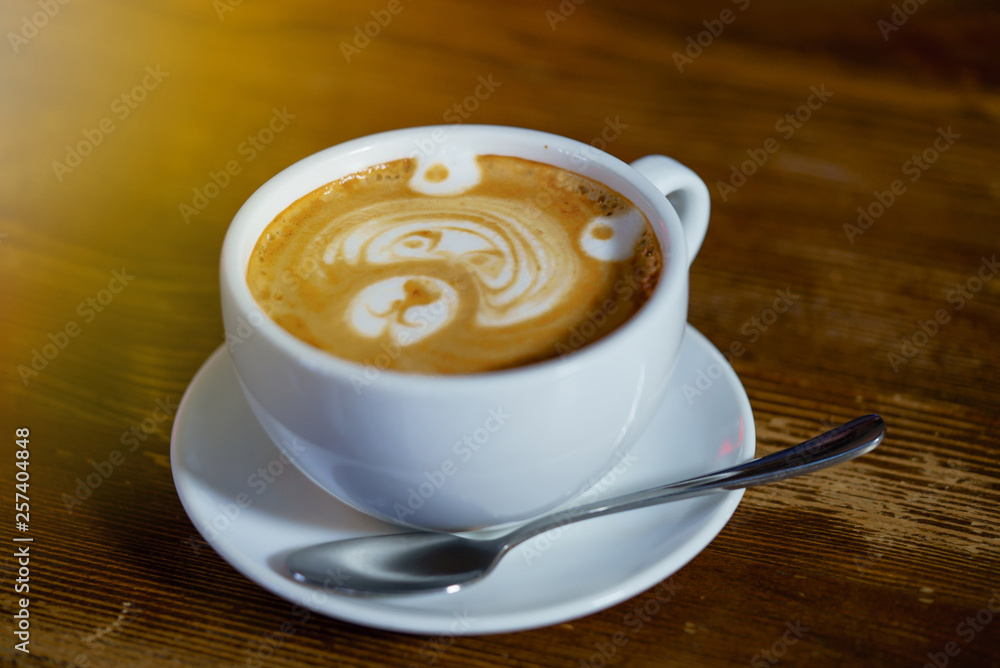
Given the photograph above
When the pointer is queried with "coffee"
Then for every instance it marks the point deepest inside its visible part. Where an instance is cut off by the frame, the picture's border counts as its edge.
(451, 270)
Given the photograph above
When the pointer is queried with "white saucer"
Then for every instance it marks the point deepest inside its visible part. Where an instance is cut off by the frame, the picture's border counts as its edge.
(253, 520)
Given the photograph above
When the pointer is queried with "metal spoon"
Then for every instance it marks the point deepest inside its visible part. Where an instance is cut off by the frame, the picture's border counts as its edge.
(422, 561)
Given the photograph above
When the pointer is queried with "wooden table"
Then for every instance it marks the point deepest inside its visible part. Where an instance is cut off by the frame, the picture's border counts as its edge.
(852, 155)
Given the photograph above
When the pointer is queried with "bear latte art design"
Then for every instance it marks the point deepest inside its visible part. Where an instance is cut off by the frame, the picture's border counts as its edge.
(516, 263)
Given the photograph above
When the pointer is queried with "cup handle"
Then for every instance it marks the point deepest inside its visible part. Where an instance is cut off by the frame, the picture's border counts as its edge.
(686, 192)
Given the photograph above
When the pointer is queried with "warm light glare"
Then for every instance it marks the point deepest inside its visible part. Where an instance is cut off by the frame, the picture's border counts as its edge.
(727, 445)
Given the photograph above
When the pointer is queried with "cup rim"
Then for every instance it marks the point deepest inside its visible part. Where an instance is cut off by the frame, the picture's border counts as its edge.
(239, 242)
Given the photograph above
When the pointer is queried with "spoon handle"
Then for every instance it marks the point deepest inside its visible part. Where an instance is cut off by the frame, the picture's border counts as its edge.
(836, 446)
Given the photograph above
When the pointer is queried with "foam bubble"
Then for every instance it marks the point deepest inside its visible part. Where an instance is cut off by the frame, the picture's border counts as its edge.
(613, 238)
(449, 170)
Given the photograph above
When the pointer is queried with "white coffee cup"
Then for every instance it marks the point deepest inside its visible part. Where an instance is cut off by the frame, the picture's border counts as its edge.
(459, 452)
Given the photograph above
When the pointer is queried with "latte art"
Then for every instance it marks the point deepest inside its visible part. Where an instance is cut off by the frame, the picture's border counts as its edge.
(498, 271)
(406, 308)
(511, 263)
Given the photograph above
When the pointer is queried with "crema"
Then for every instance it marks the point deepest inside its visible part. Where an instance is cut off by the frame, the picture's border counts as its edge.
(455, 268)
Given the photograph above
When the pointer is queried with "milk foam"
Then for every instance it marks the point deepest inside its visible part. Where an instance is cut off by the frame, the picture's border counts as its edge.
(613, 238)
(459, 166)
(407, 308)
(466, 263)
(492, 240)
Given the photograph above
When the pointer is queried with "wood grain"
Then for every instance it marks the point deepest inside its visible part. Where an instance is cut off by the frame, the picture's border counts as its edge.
(882, 560)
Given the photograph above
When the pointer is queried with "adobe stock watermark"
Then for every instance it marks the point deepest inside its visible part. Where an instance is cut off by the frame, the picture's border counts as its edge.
(32, 24)
(244, 329)
(248, 149)
(61, 338)
(133, 437)
(464, 449)
(713, 29)
(958, 296)
(779, 648)
(581, 160)
(363, 35)
(872, 556)
(460, 111)
(121, 108)
(787, 126)
(269, 642)
(432, 650)
(259, 482)
(563, 11)
(634, 621)
(913, 168)
(424, 147)
(610, 132)
(223, 7)
(900, 14)
(103, 637)
(967, 630)
(541, 543)
(584, 331)
(753, 328)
